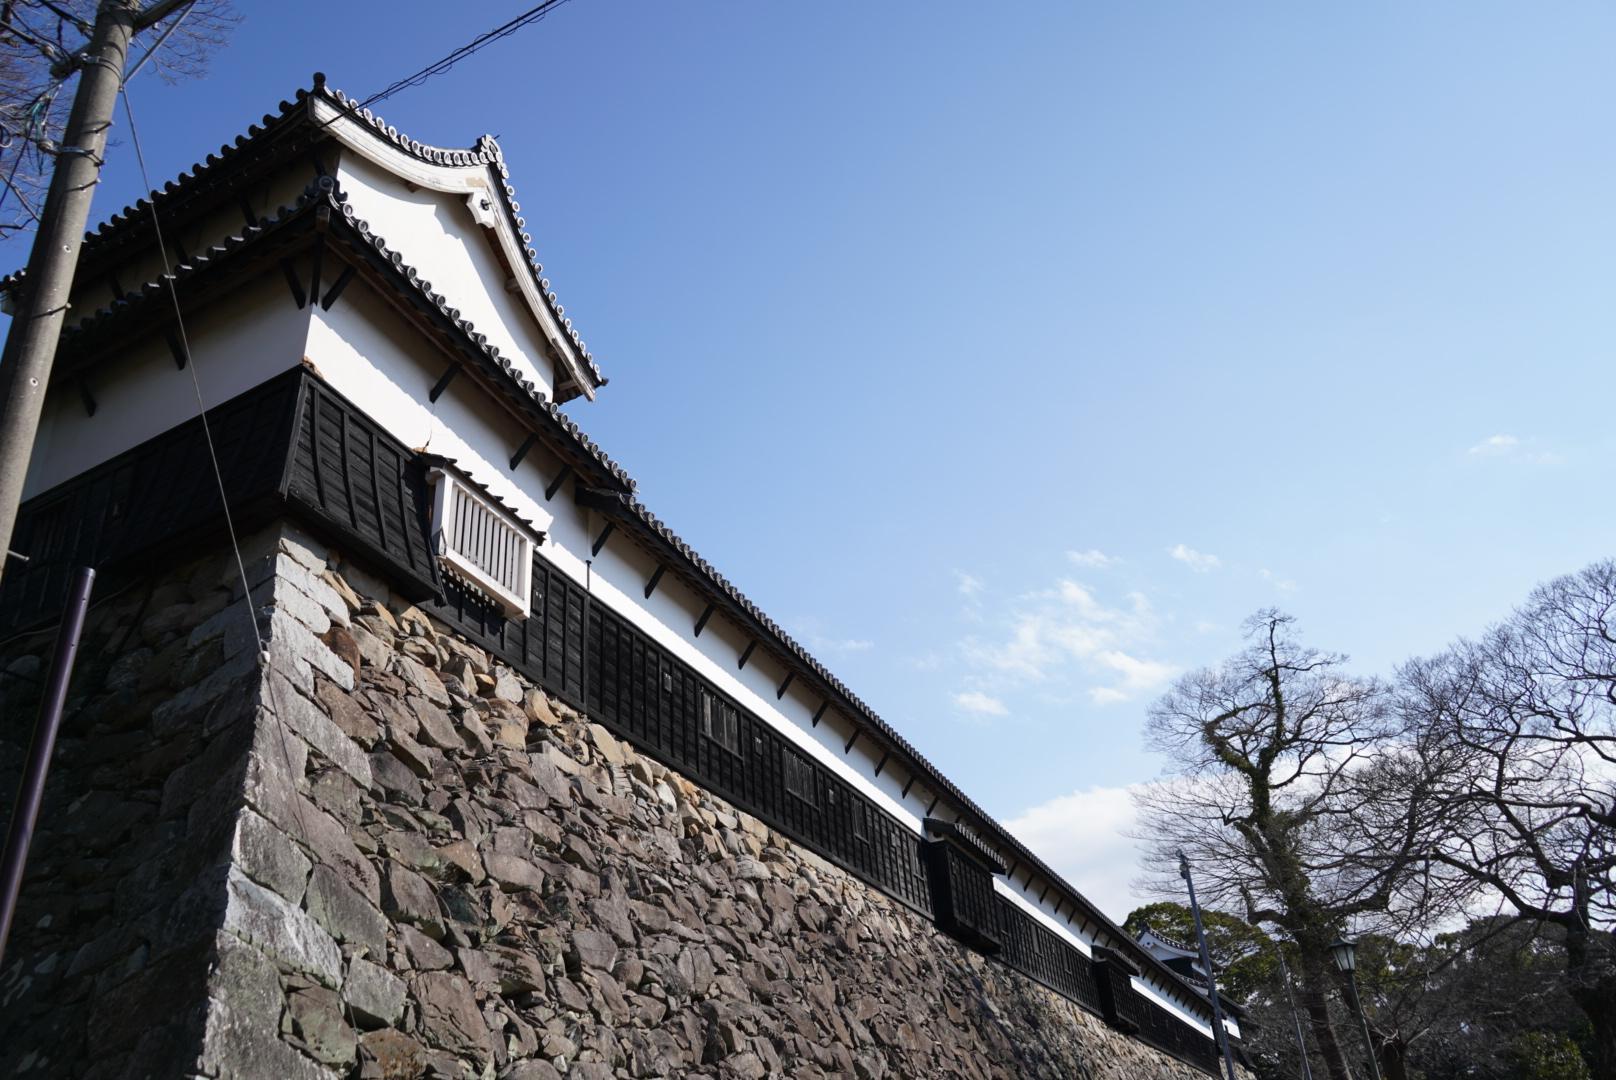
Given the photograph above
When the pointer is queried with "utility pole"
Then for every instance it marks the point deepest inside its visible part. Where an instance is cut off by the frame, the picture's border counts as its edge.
(36, 324)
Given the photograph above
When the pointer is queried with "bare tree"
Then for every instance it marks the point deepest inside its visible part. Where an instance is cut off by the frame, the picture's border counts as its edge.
(1531, 706)
(1296, 798)
(39, 40)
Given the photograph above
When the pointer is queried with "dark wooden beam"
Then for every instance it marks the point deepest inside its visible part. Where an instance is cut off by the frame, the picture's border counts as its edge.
(879, 765)
(118, 291)
(176, 348)
(746, 654)
(1059, 901)
(1042, 893)
(555, 485)
(656, 576)
(521, 451)
(293, 283)
(443, 381)
(336, 288)
(319, 166)
(904, 794)
(87, 398)
(819, 713)
(701, 622)
(933, 805)
(785, 685)
(848, 749)
(605, 534)
(246, 209)
(1013, 868)
(319, 263)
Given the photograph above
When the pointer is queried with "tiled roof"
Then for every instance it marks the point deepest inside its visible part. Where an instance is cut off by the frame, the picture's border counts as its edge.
(263, 141)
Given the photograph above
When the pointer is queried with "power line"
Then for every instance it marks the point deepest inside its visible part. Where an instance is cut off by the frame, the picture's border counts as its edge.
(527, 18)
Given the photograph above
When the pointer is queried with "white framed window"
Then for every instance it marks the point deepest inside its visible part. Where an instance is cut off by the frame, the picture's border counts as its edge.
(480, 543)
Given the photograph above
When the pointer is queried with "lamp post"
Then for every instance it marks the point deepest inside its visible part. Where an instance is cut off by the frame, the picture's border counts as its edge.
(1220, 1034)
(1346, 958)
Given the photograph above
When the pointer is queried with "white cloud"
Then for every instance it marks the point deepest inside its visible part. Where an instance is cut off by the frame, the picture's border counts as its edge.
(1282, 584)
(1066, 632)
(1085, 837)
(840, 645)
(967, 585)
(974, 701)
(1093, 557)
(1495, 446)
(1514, 448)
(1198, 561)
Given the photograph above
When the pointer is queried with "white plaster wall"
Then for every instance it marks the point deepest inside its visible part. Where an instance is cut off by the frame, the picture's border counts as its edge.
(142, 394)
(438, 236)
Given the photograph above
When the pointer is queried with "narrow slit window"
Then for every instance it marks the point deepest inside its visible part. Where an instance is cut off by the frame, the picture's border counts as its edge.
(721, 722)
(799, 777)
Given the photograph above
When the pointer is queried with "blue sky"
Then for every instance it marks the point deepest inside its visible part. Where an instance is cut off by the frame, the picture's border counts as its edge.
(1012, 355)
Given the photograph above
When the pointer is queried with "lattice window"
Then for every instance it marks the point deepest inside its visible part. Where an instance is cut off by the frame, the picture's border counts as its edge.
(721, 722)
(799, 777)
(481, 544)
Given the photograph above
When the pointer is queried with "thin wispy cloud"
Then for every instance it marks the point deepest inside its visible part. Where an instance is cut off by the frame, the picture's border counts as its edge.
(1092, 558)
(1199, 561)
(1068, 635)
(1282, 584)
(980, 704)
(966, 584)
(840, 645)
(1513, 448)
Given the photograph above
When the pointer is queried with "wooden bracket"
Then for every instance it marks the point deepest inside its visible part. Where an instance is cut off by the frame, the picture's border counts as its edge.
(443, 381)
(336, 288)
(293, 283)
(319, 263)
(933, 805)
(656, 576)
(701, 622)
(879, 765)
(176, 348)
(848, 749)
(746, 654)
(521, 451)
(555, 485)
(605, 534)
(819, 713)
(87, 398)
(785, 685)
(246, 209)
(904, 794)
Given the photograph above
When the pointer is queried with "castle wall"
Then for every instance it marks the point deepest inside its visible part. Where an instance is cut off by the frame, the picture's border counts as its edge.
(384, 854)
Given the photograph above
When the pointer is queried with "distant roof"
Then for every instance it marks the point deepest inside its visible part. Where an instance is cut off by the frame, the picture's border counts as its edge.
(321, 115)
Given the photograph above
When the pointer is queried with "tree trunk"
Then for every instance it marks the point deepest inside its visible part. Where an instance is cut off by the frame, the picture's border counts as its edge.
(1591, 965)
(1393, 1054)
(1316, 1002)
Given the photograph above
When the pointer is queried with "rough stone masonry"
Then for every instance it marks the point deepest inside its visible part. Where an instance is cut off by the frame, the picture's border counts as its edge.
(368, 851)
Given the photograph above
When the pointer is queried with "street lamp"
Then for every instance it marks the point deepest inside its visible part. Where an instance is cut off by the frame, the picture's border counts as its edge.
(1346, 958)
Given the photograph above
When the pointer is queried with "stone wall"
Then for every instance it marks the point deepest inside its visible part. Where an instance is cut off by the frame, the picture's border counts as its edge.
(375, 853)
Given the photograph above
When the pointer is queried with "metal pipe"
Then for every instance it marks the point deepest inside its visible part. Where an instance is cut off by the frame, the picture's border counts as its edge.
(32, 792)
(1218, 1030)
(1363, 1024)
